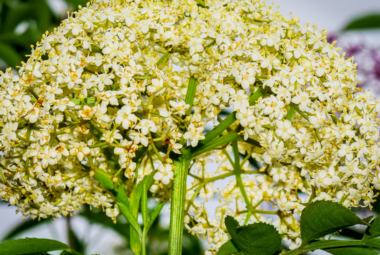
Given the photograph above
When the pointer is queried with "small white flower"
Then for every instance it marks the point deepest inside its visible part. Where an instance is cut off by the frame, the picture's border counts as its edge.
(164, 174)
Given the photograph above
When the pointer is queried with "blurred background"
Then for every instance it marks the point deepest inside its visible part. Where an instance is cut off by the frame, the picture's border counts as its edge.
(355, 25)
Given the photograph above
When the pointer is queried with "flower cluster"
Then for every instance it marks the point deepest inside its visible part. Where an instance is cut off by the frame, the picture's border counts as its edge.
(108, 93)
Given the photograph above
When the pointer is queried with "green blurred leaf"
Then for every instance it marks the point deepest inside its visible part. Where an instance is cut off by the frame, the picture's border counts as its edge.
(72, 252)
(9, 55)
(18, 13)
(134, 205)
(152, 216)
(30, 246)
(12, 39)
(128, 215)
(25, 226)
(370, 21)
(227, 248)
(44, 14)
(374, 229)
(118, 191)
(374, 243)
(324, 217)
(76, 3)
(75, 242)
(352, 251)
(256, 239)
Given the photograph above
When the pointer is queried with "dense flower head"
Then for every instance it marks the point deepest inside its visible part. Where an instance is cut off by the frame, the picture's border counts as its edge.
(107, 91)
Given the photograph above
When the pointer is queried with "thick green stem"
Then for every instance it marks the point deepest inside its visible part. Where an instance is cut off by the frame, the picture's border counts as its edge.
(178, 204)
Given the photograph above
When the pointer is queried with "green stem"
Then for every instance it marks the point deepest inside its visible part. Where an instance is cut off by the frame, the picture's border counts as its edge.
(3, 176)
(143, 246)
(191, 89)
(325, 245)
(223, 125)
(178, 204)
(239, 180)
(216, 143)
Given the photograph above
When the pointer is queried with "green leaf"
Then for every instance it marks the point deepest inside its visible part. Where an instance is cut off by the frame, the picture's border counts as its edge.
(9, 55)
(227, 248)
(374, 243)
(75, 242)
(70, 252)
(44, 15)
(30, 246)
(371, 21)
(352, 251)
(191, 89)
(25, 226)
(324, 217)
(152, 216)
(17, 14)
(374, 229)
(134, 210)
(76, 3)
(128, 215)
(105, 179)
(256, 239)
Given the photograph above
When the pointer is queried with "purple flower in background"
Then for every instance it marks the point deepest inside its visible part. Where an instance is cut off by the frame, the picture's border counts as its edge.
(331, 37)
(354, 49)
(374, 72)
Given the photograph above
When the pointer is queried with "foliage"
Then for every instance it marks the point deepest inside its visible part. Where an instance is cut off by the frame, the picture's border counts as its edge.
(318, 219)
(33, 17)
(370, 21)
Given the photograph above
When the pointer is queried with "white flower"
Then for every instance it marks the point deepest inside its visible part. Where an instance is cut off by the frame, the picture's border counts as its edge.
(275, 151)
(110, 136)
(246, 77)
(284, 129)
(322, 179)
(273, 107)
(302, 100)
(112, 213)
(164, 174)
(179, 107)
(245, 116)
(80, 150)
(346, 151)
(195, 45)
(239, 100)
(146, 126)
(125, 117)
(194, 134)
(8, 131)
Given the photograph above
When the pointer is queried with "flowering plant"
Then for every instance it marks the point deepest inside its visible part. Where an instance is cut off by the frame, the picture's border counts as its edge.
(127, 97)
